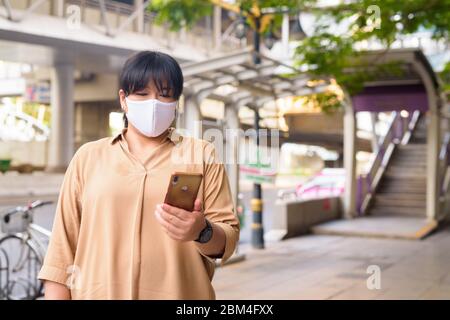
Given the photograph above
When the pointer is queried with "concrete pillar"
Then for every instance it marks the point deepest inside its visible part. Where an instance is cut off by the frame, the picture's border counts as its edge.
(433, 142)
(217, 27)
(140, 16)
(350, 162)
(61, 147)
(232, 149)
(92, 121)
(433, 174)
(192, 117)
(285, 34)
(57, 8)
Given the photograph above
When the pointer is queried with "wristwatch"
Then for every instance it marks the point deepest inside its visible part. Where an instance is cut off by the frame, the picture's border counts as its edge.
(206, 234)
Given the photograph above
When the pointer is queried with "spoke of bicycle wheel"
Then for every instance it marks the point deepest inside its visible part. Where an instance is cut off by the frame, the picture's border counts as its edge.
(24, 253)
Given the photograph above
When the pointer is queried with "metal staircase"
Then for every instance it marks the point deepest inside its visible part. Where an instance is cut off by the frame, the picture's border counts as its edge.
(402, 190)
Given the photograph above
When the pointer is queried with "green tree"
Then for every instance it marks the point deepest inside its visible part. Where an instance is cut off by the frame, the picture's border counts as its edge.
(325, 53)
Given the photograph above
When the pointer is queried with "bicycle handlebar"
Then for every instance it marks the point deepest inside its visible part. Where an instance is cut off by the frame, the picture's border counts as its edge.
(38, 203)
(30, 206)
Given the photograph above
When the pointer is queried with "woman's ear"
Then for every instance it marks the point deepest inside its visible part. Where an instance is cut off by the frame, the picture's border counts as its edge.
(123, 104)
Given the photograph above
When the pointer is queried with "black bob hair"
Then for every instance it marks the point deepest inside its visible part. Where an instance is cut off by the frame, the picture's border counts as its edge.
(151, 66)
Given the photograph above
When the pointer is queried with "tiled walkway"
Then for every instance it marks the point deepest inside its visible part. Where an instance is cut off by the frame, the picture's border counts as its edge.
(334, 267)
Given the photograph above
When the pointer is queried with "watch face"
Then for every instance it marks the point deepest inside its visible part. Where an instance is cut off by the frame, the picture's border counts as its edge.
(206, 234)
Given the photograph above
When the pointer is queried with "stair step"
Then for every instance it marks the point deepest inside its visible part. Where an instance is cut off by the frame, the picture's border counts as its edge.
(403, 203)
(386, 189)
(378, 210)
(401, 196)
(406, 166)
(413, 175)
(409, 158)
(397, 214)
(412, 146)
(400, 185)
(408, 163)
(399, 181)
(415, 153)
(401, 190)
(408, 155)
(406, 172)
(411, 149)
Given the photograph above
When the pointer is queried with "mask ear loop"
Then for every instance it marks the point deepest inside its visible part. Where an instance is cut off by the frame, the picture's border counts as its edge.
(177, 113)
(125, 119)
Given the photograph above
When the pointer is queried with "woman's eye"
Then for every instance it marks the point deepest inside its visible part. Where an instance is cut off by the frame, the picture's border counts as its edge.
(141, 94)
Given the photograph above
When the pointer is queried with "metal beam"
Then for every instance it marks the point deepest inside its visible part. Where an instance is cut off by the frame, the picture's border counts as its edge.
(213, 64)
(105, 17)
(31, 8)
(8, 8)
(132, 17)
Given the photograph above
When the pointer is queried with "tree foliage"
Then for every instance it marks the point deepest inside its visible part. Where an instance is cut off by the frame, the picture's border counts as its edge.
(325, 53)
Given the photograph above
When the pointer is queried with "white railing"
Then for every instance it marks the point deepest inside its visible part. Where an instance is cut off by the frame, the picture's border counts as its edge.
(411, 126)
(444, 160)
(444, 177)
(114, 18)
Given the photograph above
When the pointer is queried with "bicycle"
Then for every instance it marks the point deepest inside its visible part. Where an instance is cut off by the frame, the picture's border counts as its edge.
(22, 252)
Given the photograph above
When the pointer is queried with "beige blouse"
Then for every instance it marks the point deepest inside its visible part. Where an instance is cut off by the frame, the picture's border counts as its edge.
(106, 242)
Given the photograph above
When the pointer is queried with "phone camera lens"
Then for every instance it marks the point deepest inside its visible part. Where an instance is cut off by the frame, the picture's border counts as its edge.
(175, 179)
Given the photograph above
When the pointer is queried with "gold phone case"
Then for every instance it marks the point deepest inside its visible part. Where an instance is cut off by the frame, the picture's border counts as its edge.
(183, 189)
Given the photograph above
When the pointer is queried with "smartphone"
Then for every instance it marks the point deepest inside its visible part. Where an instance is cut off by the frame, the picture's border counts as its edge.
(182, 190)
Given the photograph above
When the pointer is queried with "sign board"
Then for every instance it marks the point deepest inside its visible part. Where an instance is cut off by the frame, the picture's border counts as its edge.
(258, 171)
(38, 92)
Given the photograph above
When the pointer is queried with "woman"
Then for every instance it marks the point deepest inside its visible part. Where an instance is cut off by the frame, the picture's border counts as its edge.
(113, 238)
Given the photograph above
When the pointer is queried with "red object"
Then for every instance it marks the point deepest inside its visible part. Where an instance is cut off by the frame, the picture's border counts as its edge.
(326, 204)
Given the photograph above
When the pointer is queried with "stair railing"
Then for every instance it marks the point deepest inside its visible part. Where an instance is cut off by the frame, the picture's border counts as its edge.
(367, 183)
(411, 126)
(444, 175)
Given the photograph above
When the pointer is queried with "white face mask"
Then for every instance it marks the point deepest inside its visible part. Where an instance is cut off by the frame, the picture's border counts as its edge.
(151, 117)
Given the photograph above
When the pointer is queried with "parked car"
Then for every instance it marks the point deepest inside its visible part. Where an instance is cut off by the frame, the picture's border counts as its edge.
(329, 182)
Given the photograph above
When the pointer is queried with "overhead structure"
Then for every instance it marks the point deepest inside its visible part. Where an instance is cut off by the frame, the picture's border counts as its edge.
(236, 81)
(264, 81)
(248, 84)
(411, 86)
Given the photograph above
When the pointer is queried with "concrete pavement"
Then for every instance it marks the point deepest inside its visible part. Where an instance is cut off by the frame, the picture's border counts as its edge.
(335, 267)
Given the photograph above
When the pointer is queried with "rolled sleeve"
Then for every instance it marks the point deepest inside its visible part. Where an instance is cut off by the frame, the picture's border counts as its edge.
(218, 201)
(62, 246)
(52, 273)
(232, 238)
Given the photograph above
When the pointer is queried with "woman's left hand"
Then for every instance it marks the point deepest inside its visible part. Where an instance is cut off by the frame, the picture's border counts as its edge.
(180, 224)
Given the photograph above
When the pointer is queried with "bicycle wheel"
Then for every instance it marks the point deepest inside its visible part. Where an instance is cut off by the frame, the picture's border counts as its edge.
(25, 261)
